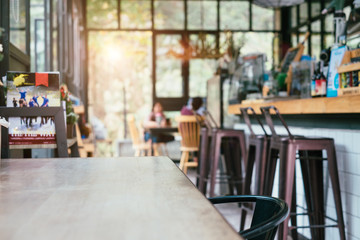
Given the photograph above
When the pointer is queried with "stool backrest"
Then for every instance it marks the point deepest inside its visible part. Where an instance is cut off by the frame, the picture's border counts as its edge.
(266, 112)
(209, 120)
(269, 213)
(189, 129)
(245, 115)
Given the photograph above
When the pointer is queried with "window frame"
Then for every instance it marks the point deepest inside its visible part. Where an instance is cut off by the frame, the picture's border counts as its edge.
(173, 104)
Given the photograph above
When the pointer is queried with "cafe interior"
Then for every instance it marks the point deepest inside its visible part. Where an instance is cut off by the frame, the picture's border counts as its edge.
(179, 119)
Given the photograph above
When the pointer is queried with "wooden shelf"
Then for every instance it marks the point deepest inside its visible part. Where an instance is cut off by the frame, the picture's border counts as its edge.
(349, 68)
(336, 105)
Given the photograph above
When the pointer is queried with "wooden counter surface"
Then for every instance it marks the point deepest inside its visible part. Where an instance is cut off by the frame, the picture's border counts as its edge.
(337, 105)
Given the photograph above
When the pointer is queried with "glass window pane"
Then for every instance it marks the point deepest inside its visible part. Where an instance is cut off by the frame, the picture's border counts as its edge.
(234, 15)
(18, 24)
(203, 45)
(36, 13)
(202, 15)
(135, 14)
(303, 29)
(169, 82)
(257, 42)
(315, 9)
(303, 12)
(315, 45)
(102, 14)
(169, 14)
(262, 18)
(128, 69)
(294, 40)
(201, 70)
(329, 23)
(329, 40)
(316, 26)
(54, 35)
(39, 45)
(294, 16)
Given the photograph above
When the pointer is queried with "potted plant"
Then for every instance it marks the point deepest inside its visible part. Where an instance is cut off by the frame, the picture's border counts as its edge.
(71, 116)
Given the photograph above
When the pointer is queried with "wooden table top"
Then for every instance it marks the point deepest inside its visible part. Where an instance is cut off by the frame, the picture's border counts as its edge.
(163, 130)
(104, 198)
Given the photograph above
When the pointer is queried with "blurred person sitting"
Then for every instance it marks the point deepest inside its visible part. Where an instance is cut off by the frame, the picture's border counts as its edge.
(157, 119)
(193, 107)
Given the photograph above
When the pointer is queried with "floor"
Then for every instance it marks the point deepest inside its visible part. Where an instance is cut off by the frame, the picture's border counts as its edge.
(231, 211)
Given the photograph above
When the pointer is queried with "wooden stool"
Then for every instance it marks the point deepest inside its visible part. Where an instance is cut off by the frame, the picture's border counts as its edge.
(310, 152)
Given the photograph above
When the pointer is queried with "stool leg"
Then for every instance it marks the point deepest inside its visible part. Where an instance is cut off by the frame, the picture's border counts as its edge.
(333, 172)
(317, 192)
(247, 183)
(228, 151)
(249, 169)
(214, 163)
(186, 160)
(204, 161)
(287, 169)
(260, 161)
(182, 160)
(309, 195)
(293, 217)
(270, 172)
(243, 147)
(238, 164)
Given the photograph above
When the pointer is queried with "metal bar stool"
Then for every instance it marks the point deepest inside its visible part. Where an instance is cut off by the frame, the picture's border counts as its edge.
(204, 163)
(234, 165)
(311, 162)
(256, 155)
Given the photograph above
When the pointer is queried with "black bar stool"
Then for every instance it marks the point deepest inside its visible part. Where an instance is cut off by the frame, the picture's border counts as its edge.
(311, 162)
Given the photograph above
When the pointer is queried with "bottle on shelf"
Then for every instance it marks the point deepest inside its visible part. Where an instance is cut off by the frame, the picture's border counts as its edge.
(318, 82)
(313, 83)
(322, 80)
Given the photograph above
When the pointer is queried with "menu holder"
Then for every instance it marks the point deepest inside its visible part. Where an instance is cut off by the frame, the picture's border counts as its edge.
(56, 112)
(292, 55)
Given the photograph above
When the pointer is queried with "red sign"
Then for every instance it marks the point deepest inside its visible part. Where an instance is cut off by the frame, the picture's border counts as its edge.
(42, 79)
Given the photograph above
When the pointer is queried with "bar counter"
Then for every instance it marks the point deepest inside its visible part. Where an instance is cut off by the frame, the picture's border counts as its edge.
(337, 118)
(336, 105)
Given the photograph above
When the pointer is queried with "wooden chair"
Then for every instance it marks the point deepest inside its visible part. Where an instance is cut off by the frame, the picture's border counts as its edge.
(189, 129)
(86, 146)
(138, 143)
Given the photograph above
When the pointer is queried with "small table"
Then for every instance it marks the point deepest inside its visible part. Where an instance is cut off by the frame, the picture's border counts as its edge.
(163, 130)
(104, 198)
